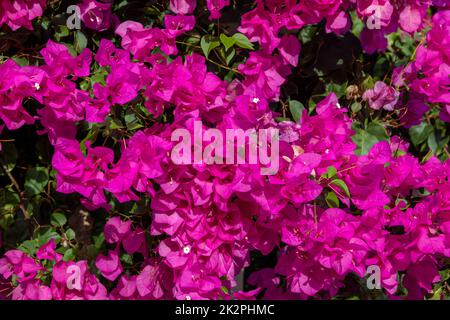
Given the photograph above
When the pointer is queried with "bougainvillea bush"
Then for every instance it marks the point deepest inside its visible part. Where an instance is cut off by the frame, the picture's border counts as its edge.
(92, 205)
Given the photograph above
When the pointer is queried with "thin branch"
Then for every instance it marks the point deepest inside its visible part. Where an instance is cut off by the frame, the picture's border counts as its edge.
(19, 191)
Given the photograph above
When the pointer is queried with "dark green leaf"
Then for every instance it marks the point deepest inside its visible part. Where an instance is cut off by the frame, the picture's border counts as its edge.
(69, 255)
(58, 219)
(338, 89)
(8, 157)
(332, 200)
(307, 33)
(378, 131)
(99, 240)
(29, 247)
(420, 133)
(9, 201)
(47, 233)
(230, 55)
(36, 180)
(432, 143)
(296, 108)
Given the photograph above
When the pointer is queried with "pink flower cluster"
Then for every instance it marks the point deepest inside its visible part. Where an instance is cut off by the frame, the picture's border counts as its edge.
(381, 96)
(94, 14)
(427, 77)
(380, 17)
(97, 15)
(207, 219)
(188, 6)
(29, 272)
(20, 13)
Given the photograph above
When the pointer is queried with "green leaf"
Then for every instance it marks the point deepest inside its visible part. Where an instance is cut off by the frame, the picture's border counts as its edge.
(230, 56)
(281, 119)
(296, 108)
(364, 142)
(365, 139)
(420, 133)
(80, 41)
(307, 33)
(129, 118)
(437, 294)
(242, 41)
(115, 124)
(99, 77)
(341, 184)
(131, 121)
(432, 143)
(36, 180)
(332, 200)
(91, 136)
(368, 83)
(70, 234)
(29, 247)
(84, 85)
(71, 49)
(444, 143)
(58, 219)
(69, 255)
(356, 106)
(61, 32)
(47, 233)
(126, 258)
(9, 201)
(378, 131)
(228, 42)
(8, 157)
(207, 44)
(338, 89)
(357, 24)
(192, 40)
(99, 241)
(331, 172)
(21, 61)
